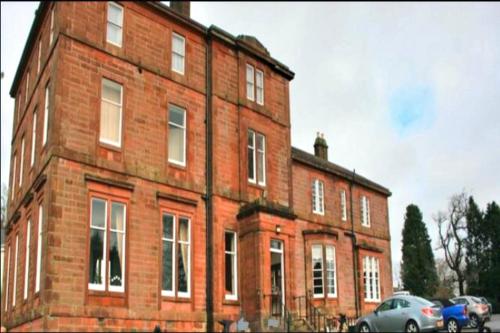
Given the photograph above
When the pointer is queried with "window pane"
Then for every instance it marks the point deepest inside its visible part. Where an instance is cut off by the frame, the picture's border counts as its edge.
(183, 267)
(96, 263)
(114, 34)
(168, 226)
(261, 166)
(167, 281)
(178, 44)
(98, 213)
(183, 229)
(260, 142)
(176, 144)
(251, 138)
(178, 63)
(176, 116)
(115, 14)
(317, 265)
(118, 216)
(116, 258)
(251, 162)
(111, 91)
(275, 244)
(229, 242)
(250, 82)
(229, 273)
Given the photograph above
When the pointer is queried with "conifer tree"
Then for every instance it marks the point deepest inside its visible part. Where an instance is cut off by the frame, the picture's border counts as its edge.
(476, 248)
(418, 269)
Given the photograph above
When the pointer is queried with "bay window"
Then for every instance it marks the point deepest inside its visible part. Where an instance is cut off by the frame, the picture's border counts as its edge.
(371, 279)
(107, 245)
(324, 274)
(176, 256)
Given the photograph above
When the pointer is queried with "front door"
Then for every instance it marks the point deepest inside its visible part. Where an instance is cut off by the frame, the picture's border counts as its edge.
(277, 279)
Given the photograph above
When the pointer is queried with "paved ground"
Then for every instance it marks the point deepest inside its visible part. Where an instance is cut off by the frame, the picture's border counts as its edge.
(494, 324)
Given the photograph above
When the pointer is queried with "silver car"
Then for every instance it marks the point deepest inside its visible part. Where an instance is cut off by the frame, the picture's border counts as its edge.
(402, 314)
(478, 311)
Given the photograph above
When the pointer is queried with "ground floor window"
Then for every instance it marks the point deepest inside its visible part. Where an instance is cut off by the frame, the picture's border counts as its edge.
(231, 269)
(176, 255)
(324, 271)
(371, 279)
(107, 245)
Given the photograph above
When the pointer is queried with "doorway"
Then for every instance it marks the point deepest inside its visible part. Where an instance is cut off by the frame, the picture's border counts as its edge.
(277, 279)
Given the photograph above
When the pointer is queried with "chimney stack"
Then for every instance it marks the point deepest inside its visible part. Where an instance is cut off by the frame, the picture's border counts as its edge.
(181, 7)
(320, 147)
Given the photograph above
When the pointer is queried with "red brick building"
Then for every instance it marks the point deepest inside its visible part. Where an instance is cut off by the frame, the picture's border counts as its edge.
(153, 182)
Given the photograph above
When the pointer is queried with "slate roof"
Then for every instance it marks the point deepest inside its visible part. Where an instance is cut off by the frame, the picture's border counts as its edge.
(335, 169)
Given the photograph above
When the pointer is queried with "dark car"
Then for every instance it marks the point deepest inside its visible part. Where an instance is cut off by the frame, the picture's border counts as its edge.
(455, 315)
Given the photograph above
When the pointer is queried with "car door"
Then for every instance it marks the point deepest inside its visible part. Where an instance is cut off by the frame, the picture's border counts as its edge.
(398, 315)
(380, 316)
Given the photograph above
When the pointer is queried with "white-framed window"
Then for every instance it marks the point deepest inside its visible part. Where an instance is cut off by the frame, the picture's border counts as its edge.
(365, 212)
(178, 53)
(371, 279)
(12, 187)
(250, 82)
(7, 280)
(21, 164)
(343, 205)
(39, 56)
(33, 138)
(26, 93)
(46, 116)
(107, 240)
(318, 203)
(27, 261)
(256, 154)
(184, 258)
(317, 270)
(114, 24)
(231, 265)
(331, 272)
(51, 35)
(39, 248)
(168, 255)
(14, 287)
(259, 79)
(177, 135)
(111, 113)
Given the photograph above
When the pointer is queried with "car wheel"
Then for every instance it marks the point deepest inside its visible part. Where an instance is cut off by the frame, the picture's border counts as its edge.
(474, 320)
(411, 327)
(364, 328)
(452, 326)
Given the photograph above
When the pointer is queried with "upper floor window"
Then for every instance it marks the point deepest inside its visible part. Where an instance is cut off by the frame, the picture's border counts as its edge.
(324, 271)
(178, 53)
(27, 259)
(256, 158)
(12, 187)
(371, 279)
(39, 56)
(33, 139)
(259, 78)
(39, 248)
(7, 276)
(231, 265)
(177, 135)
(176, 255)
(21, 164)
(46, 116)
(14, 287)
(107, 240)
(365, 211)
(250, 82)
(115, 24)
(26, 93)
(318, 197)
(111, 113)
(51, 35)
(343, 205)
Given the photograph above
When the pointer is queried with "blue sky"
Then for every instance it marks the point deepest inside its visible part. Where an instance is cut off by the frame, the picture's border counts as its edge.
(406, 93)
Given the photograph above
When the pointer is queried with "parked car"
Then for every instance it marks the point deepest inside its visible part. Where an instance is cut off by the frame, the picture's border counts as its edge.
(455, 315)
(478, 312)
(485, 301)
(402, 314)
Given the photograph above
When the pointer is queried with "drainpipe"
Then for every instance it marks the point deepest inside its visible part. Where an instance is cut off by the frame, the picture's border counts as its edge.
(209, 193)
(354, 249)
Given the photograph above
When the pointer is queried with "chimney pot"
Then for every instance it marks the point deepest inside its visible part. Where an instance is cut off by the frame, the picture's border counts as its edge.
(181, 7)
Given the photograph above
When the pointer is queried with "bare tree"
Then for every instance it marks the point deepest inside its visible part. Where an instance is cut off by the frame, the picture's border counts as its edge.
(452, 236)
